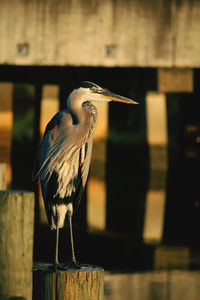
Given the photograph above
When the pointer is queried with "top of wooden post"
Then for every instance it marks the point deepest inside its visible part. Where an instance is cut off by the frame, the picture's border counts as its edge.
(65, 268)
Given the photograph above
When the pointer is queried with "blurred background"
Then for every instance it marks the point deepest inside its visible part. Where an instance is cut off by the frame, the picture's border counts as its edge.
(140, 214)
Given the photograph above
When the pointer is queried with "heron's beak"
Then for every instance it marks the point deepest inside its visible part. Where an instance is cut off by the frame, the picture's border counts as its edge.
(109, 96)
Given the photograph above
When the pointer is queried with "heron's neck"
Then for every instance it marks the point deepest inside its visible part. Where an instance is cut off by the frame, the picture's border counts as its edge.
(84, 114)
(75, 107)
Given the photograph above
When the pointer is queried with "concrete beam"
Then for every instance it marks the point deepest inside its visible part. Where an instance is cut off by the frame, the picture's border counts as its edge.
(100, 33)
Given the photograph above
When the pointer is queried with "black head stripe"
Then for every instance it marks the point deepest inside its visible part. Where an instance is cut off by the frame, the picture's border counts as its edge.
(88, 84)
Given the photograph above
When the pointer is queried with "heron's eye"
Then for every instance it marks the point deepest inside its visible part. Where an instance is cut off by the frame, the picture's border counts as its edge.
(93, 89)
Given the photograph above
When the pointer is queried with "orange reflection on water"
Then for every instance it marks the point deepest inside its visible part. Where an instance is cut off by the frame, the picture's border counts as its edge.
(96, 204)
(6, 126)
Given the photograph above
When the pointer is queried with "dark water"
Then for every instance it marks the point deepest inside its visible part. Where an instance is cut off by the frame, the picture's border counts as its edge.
(157, 285)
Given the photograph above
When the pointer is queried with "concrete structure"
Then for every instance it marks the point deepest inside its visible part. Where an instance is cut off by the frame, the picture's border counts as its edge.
(100, 33)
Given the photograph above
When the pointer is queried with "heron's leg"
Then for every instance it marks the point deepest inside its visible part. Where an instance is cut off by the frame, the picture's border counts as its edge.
(73, 259)
(57, 237)
(73, 263)
(56, 251)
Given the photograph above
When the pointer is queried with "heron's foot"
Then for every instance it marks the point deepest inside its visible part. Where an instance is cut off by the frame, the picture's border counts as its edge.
(73, 264)
(65, 266)
(60, 267)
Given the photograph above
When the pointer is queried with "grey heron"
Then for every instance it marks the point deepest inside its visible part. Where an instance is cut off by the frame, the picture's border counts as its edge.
(65, 154)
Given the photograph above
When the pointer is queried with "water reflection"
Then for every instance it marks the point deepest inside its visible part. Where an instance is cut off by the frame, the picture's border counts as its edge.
(6, 124)
(153, 227)
(156, 114)
(164, 285)
(96, 204)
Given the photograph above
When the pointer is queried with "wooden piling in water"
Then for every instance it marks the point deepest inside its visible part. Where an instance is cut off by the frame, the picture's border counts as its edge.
(16, 243)
(86, 283)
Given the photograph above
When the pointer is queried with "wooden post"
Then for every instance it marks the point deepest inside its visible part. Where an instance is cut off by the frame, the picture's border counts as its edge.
(2, 176)
(16, 243)
(86, 283)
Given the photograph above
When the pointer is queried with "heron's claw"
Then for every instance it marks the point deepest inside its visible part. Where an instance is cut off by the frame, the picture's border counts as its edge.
(73, 264)
(65, 266)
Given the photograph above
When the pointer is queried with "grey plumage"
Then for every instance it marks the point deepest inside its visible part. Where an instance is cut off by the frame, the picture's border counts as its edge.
(63, 176)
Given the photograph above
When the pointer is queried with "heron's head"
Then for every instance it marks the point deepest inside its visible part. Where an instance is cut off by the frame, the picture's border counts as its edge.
(89, 91)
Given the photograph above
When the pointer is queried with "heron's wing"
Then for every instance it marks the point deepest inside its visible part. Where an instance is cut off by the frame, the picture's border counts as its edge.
(61, 140)
(84, 164)
(60, 148)
(45, 146)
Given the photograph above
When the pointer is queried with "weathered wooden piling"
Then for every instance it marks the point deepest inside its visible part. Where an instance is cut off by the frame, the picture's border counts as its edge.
(2, 176)
(86, 283)
(16, 243)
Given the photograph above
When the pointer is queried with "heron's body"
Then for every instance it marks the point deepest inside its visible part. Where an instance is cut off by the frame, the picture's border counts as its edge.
(65, 154)
(63, 180)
